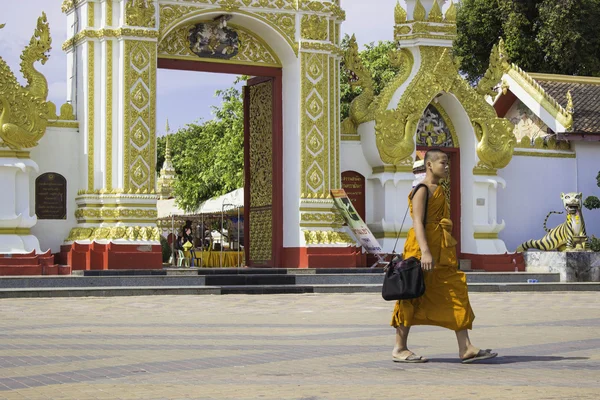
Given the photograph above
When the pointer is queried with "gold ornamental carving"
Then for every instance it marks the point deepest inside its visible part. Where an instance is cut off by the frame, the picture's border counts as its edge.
(399, 14)
(395, 128)
(140, 13)
(261, 240)
(252, 49)
(361, 108)
(314, 126)
(419, 12)
(24, 109)
(261, 135)
(109, 112)
(498, 66)
(435, 14)
(129, 233)
(90, 114)
(327, 237)
(140, 115)
(286, 22)
(314, 27)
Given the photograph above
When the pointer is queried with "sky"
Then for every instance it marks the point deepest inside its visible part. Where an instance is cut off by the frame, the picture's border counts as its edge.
(183, 96)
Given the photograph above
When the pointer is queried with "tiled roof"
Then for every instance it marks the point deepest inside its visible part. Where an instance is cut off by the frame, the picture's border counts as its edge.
(586, 99)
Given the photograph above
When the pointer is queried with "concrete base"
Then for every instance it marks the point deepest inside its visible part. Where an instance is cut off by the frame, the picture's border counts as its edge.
(572, 266)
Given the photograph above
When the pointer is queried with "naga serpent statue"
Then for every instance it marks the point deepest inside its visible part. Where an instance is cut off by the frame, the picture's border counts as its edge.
(568, 236)
(23, 109)
(361, 108)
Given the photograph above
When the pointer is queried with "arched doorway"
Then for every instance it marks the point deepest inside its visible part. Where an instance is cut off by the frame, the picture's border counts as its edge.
(205, 45)
(435, 130)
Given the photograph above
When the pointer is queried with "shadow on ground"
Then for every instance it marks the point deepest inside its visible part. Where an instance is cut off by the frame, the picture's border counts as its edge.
(512, 359)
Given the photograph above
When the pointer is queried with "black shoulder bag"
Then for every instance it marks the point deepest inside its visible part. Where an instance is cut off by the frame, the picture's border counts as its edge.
(404, 278)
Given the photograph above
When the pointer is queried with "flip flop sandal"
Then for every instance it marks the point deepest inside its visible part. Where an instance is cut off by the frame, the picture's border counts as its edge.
(482, 355)
(413, 358)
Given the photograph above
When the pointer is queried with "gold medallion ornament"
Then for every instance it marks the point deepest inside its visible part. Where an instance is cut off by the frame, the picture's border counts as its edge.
(24, 110)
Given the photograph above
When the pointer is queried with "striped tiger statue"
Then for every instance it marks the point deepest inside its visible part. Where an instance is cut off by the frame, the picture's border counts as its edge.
(568, 236)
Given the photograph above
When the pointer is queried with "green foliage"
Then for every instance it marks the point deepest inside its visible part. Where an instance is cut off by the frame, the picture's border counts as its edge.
(166, 249)
(376, 60)
(591, 203)
(550, 36)
(594, 243)
(208, 157)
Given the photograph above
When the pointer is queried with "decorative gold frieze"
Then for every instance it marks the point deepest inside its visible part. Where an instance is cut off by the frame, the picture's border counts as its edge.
(130, 233)
(116, 214)
(325, 47)
(108, 33)
(327, 237)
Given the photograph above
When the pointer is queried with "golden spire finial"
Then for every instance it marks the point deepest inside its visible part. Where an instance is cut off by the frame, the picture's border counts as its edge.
(419, 12)
(569, 107)
(451, 13)
(399, 14)
(435, 14)
(167, 129)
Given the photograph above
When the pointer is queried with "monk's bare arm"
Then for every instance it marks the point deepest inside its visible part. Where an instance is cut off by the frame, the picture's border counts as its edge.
(418, 213)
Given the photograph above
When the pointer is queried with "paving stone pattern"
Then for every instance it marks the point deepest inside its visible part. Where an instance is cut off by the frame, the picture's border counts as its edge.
(305, 347)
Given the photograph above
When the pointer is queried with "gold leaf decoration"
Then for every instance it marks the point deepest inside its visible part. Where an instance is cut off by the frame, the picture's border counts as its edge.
(419, 12)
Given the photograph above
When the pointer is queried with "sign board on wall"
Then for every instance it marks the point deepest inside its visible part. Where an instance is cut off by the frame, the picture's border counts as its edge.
(354, 185)
(51, 196)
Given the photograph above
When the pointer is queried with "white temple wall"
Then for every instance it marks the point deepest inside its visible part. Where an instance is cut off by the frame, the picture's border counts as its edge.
(588, 166)
(353, 159)
(533, 189)
(58, 151)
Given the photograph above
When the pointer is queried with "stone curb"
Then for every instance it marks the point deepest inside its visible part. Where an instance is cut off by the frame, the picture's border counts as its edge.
(275, 289)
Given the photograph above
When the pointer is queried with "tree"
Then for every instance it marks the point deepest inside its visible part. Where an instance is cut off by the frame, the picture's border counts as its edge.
(375, 58)
(208, 157)
(550, 36)
(592, 203)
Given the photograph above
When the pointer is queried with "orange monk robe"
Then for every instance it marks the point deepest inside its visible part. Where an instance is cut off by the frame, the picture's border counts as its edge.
(446, 299)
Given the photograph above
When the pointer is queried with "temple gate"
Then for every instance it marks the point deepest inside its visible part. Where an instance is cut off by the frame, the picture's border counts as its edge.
(116, 50)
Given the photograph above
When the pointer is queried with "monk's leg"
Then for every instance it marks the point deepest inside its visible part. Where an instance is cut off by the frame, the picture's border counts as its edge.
(401, 348)
(465, 348)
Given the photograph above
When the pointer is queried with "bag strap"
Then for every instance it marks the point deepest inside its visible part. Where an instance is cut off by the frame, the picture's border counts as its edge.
(412, 194)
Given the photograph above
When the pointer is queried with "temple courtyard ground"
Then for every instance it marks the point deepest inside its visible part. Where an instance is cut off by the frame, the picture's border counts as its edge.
(325, 346)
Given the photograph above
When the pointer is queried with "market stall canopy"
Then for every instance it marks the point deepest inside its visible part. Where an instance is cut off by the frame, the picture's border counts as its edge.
(228, 202)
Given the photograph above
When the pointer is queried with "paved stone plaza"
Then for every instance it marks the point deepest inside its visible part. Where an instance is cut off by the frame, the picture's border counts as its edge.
(291, 347)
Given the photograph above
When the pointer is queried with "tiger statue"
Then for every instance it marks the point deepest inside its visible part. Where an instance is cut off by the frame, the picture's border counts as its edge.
(568, 236)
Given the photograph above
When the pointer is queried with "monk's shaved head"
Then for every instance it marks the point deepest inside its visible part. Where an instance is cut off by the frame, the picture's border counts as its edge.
(433, 155)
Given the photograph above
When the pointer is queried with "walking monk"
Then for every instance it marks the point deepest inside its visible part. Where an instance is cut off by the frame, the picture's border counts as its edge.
(446, 299)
